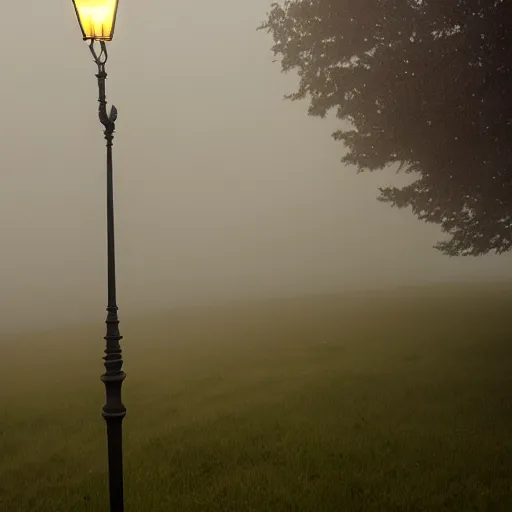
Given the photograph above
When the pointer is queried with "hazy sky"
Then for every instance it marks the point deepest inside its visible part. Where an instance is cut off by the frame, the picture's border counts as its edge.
(222, 188)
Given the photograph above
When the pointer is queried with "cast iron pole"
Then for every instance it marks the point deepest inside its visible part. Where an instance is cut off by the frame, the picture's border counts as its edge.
(113, 411)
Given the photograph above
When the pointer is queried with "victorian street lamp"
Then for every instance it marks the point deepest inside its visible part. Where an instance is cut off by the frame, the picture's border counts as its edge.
(97, 20)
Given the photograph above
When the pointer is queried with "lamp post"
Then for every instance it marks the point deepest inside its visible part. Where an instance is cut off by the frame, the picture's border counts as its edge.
(97, 21)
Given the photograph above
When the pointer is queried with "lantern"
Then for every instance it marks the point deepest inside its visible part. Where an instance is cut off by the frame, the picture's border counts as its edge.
(97, 18)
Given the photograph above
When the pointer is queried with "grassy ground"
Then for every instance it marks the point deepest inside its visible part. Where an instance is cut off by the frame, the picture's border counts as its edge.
(374, 402)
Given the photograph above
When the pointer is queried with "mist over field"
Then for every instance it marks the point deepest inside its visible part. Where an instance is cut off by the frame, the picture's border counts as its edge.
(223, 190)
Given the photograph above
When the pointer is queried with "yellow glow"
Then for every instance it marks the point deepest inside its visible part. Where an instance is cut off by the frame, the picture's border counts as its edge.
(97, 18)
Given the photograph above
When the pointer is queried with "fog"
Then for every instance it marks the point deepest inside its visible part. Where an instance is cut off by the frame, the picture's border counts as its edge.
(223, 189)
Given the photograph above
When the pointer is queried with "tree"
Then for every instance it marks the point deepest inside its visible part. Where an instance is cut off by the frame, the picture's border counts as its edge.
(425, 84)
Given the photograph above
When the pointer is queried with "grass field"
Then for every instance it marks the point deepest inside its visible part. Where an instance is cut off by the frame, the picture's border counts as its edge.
(372, 402)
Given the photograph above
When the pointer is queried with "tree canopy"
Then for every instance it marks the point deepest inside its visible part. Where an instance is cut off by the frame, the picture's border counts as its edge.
(425, 84)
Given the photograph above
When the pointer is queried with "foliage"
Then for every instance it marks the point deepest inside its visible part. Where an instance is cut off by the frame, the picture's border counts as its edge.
(420, 83)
